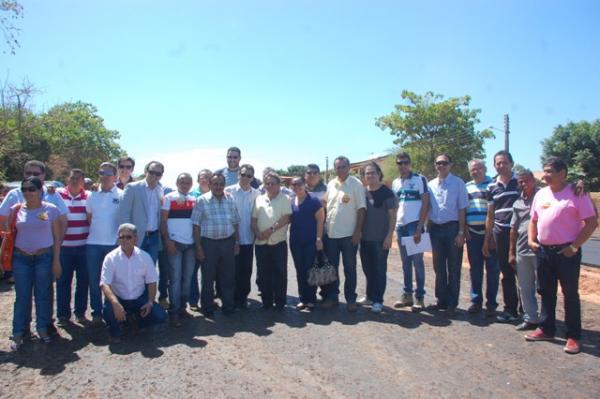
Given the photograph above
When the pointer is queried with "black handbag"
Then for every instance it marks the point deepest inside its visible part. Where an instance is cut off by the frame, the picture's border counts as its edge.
(322, 272)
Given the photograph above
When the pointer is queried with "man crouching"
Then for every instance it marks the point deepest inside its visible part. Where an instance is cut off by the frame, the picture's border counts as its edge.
(128, 281)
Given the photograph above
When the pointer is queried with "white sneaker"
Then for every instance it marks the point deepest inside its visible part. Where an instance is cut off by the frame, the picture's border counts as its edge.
(377, 307)
(364, 301)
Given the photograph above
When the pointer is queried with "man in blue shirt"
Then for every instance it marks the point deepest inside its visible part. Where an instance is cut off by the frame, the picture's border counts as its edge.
(475, 236)
(449, 202)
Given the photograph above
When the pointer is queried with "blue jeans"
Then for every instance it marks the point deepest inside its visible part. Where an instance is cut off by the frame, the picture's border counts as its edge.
(132, 308)
(95, 255)
(72, 261)
(333, 247)
(151, 244)
(447, 262)
(181, 269)
(374, 264)
(194, 297)
(492, 272)
(408, 262)
(33, 275)
(304, 258)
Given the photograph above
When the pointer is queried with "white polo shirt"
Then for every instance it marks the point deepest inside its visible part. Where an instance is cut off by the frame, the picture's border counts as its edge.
(343, 200)
(128, 276)
(104, 208)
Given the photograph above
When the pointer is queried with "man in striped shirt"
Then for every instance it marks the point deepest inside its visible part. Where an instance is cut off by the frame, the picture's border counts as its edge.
(72, 253)
(502, 194)
(475, 236)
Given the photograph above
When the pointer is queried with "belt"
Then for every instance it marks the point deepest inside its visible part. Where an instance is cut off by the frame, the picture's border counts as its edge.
(444, 224)
(149, 233)
(36, 253)
(220, 239)
(557, 247)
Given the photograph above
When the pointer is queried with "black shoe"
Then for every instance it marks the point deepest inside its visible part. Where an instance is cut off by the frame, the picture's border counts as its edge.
(526, 326)
(451, 312)
(51, 329)
(437, 306)
(490, 312)
(474, 308)
(209, 314)
(507, 317)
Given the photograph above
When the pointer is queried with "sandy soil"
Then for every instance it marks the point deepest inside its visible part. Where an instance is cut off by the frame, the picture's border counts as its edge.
(291, 354)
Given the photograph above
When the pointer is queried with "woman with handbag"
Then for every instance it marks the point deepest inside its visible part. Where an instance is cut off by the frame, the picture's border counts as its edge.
(377, 234)
(306, 232)
(35, 259)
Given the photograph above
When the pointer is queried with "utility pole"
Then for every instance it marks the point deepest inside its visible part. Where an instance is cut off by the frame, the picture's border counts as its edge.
(506, 132)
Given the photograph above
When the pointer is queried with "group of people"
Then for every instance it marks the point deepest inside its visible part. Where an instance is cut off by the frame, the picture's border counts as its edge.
(110, 240)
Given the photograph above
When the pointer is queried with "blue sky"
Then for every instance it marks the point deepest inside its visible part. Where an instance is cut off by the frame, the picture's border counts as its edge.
(294, 82)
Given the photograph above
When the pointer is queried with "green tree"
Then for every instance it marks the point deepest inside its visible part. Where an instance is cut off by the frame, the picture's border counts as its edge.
(426, 125)
(578, 144)
(77, 135)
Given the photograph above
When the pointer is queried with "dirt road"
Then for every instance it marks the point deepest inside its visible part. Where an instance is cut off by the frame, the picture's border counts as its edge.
(291, 354)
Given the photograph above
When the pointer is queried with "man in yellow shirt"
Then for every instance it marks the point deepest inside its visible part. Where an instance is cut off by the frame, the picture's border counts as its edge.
(345, 202)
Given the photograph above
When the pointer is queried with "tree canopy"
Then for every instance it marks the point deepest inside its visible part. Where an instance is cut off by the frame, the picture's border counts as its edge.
(426, 125)
(10, 11)
(69, 135)
(578, 144)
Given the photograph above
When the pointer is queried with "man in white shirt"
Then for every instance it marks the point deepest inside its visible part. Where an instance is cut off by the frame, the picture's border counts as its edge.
(128, 281)
(102, 208)
(244, 195)
(345, 201)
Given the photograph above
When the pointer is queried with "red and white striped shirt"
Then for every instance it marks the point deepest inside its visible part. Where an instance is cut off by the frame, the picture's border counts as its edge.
(78, 227)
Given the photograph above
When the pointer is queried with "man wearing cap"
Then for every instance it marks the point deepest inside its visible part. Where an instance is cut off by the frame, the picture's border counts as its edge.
(102, 208)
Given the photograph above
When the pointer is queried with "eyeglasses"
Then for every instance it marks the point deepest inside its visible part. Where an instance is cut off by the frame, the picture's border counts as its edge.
(442, 163)
(155, 173)
(125, 237)
(34, 174)
(402, 162)
(103, 172)
(125, 166)
(246, 175)
(31, 189)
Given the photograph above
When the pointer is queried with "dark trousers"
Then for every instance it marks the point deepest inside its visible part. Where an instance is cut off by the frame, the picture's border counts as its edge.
(271, 264)
(243, 274)
(492, 272)
(304, 254)
(163, 274)
(194, 296)
(73, 262)
(132, 308)
(447, 263)
(374, 264)
(509, 275)
(333, 248)
(554, 268)
(219, 263)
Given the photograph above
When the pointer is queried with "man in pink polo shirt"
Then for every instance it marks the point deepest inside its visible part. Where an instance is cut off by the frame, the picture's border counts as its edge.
(560, 223)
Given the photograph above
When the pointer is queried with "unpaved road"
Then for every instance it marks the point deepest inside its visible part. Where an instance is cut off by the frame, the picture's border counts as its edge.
(290, 354)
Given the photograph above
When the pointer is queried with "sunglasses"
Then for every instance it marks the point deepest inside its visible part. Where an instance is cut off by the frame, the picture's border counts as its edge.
(442, 163)
(125, 166)
(402, 162)
(154, 173)
(35, 174)
(106, 172)
(125, 237)
(246, 175)
(31, 189)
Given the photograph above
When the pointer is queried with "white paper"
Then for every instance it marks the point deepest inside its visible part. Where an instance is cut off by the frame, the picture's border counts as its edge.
(422, 246)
